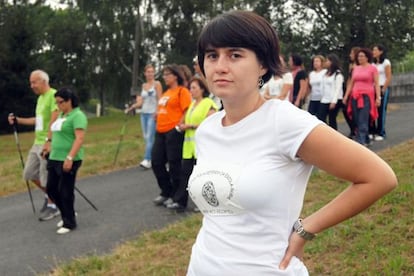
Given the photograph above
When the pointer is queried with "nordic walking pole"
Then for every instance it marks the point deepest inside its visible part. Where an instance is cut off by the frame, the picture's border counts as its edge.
(16, 137)
(121, 136)
(87, 200)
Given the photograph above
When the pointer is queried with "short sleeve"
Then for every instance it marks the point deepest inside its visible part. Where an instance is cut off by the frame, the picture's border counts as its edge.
(80, 121)
(185, 98)
(293, 125)
(52, 102)
(387, 62)
(287, 78)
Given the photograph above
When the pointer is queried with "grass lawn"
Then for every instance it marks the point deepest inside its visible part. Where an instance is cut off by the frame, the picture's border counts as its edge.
(379, 241)
(101, 143)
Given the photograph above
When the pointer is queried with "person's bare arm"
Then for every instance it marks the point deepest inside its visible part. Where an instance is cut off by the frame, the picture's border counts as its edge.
(369, 176)
(388, 78)
(285, 90)
(77, 143)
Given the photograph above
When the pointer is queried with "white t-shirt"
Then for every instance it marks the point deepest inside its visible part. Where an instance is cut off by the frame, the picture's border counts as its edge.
(332, 88)
(249, 185)
(275, 85)
(382, 77)
(315, 81)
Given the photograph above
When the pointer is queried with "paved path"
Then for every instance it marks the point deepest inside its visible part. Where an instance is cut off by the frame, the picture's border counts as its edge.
(28, 247)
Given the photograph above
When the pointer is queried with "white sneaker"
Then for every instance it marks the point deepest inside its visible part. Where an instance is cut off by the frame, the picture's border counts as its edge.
(146, 164)
(60, 223)
(371, 136)
(379, 138)
(63, 230)
(168, 202)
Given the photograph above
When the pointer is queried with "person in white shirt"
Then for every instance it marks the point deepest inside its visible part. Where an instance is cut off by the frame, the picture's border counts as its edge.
(254, 159)
(384, 77)
(279, 87)
(315, 85)
(332, 91)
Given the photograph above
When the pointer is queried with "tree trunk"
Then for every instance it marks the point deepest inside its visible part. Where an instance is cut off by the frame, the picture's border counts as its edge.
(137, 45)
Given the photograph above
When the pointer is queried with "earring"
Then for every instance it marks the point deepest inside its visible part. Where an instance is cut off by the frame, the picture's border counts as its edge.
(260, 82)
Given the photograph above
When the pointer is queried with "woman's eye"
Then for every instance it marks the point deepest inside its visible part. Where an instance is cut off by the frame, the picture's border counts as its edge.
(235, 55)
(211, 55)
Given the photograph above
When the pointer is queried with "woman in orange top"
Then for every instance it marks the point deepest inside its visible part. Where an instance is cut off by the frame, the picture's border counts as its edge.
(168, 141)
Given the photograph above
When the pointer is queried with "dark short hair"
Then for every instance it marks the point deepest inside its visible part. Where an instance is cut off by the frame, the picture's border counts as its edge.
(176, 71)
(203, 85)
(296, 59)
(66, 94)
(242, 29)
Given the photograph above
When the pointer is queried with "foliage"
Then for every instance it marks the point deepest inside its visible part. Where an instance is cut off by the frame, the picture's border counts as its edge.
(101, 46)
(406, 64)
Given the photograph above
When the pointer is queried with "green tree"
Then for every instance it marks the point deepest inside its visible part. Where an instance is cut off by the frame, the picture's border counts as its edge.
(337, 26)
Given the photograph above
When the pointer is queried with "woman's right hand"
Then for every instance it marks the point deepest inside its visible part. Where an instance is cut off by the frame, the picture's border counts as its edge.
(295, 248)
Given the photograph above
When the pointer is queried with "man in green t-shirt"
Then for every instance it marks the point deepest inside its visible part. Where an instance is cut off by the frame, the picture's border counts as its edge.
(46, 113)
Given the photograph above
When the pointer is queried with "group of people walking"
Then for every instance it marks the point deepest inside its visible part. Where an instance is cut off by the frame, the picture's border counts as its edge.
(57, 152)
(170, 126)
(363, 96)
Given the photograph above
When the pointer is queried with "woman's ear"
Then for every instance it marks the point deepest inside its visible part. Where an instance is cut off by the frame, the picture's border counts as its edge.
(263, 70)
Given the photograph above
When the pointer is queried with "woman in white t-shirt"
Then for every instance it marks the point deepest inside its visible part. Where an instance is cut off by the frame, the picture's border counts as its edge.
(384, 77)
(315, 85)
(279, 87)
(332, 91)
(254, 159)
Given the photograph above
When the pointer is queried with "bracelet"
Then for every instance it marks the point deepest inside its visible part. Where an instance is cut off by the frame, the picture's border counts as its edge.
(298, 228)
(177, 128)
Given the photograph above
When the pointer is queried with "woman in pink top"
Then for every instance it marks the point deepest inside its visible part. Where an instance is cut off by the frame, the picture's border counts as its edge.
(364, 93)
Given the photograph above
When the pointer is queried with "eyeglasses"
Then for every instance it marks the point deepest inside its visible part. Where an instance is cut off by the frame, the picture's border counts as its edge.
(166, 74)
(60, 102)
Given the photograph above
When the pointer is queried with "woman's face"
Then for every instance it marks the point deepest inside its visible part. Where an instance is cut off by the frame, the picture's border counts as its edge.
(169, 78)
(327, 63)
(352, 56)
(376, 53)
(63, 105)
(232, 73)
(196, 90)
(317, 63)
(362, 58)
(149, 73)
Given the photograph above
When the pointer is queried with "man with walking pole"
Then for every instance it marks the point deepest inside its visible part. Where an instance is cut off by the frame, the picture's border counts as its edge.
(46, 112)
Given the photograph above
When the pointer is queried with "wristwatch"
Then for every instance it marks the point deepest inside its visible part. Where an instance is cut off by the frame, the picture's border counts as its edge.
(69, 158)
(298, 228)
(47, 139)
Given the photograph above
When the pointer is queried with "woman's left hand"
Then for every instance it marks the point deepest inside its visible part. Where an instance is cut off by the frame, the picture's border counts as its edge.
(67, 165)
(295, 248)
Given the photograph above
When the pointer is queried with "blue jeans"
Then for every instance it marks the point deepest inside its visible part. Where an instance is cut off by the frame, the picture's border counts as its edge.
(148, 131)
(361, 119)
(382, 113)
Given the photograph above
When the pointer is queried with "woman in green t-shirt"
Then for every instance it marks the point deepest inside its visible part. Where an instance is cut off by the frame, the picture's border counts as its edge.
(66, 156)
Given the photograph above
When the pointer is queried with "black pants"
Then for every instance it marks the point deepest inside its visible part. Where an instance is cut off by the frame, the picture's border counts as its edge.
(60, 188)
(181, 195)
(350, 121)
(167, 147)
(331, 114)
